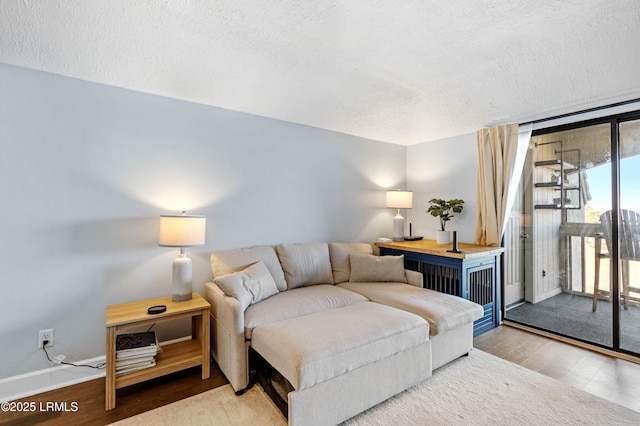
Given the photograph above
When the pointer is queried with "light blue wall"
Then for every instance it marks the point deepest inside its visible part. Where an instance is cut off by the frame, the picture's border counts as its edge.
(446, 168)
(87, 169)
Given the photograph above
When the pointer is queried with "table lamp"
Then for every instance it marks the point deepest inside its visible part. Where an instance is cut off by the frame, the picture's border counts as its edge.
(399, 199)
(182, 231)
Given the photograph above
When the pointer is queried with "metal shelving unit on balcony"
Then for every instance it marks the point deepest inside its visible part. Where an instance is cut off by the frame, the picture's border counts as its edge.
(568, 163)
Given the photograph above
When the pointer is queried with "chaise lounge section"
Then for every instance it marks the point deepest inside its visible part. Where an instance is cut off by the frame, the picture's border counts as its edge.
(344, 327)
(349, 358)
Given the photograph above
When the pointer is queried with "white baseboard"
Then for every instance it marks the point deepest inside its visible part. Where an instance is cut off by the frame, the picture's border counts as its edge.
(39, 381)
(56, 377)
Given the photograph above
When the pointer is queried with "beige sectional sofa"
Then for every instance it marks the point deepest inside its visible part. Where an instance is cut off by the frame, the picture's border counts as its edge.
(347, 329)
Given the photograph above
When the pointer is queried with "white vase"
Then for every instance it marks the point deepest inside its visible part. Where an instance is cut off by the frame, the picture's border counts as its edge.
(443, 237)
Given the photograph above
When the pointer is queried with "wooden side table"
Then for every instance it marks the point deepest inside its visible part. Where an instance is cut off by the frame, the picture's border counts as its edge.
(174, 357)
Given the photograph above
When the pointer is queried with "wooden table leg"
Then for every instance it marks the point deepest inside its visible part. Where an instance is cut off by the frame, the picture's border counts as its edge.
(203, 336)
(110, 373)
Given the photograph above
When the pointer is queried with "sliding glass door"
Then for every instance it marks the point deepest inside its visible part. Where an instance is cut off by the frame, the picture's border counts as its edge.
(581, 271)
(629, 235)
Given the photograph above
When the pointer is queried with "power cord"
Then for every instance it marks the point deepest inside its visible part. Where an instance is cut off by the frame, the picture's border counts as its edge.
(61, 357)
(44, 348)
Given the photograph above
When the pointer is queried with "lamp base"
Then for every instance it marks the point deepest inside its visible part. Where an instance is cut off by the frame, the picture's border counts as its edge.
(181, 288)
(398, 227)
(181, 297)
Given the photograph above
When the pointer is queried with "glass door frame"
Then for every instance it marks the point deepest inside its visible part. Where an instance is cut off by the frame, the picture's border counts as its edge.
(614, 122)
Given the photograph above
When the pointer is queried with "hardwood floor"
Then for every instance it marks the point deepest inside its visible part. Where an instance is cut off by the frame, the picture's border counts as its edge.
(613, 379)
(89, 397)
(610, 378)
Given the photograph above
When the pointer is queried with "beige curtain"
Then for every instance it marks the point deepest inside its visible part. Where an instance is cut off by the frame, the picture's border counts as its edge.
(501, 154)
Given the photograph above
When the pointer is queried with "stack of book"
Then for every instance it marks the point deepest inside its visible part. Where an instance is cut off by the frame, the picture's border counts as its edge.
(135, 351)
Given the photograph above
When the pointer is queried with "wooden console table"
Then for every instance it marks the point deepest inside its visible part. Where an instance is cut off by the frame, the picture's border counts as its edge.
(174, 357)
(472, 274)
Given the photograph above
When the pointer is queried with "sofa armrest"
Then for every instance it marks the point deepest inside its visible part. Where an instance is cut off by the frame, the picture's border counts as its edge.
(414, 278)
(228, 345)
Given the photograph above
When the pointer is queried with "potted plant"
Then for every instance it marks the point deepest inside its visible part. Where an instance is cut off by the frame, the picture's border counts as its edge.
(445, 211)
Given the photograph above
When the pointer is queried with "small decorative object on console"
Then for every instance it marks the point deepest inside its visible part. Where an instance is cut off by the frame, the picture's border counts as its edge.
(445, 211)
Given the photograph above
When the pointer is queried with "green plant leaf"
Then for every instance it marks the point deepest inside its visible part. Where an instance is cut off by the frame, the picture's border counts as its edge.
(445, 210)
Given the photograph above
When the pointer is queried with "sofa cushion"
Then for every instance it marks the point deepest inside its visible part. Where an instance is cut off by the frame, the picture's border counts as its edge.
(339, 254)
(305, 264)
(314, 348)
(230, 261)
(298, 302)
(368, 268)
(250, 285)
(443, 311)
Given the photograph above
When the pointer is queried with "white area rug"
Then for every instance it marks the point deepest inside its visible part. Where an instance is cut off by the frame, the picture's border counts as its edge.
(476, 390)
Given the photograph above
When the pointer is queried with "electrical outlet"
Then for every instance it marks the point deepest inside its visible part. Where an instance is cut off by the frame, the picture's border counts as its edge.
(45, 335)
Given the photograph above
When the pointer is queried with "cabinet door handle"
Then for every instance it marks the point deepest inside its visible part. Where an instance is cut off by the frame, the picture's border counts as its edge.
(524, 235)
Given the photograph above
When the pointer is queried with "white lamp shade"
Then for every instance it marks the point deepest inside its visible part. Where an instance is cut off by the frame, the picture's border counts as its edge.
(400, 199)
(182, 231)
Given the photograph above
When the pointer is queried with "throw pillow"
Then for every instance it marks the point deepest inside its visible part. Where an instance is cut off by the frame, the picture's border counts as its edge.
(305, 264)
(229, 261)
(339, 254)
(250, 285)
(372, 268)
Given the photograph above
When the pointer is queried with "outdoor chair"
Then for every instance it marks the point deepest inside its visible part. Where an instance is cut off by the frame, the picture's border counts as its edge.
(629, 237)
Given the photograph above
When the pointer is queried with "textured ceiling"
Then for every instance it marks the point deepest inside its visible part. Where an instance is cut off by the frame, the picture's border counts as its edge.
(397, 71)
